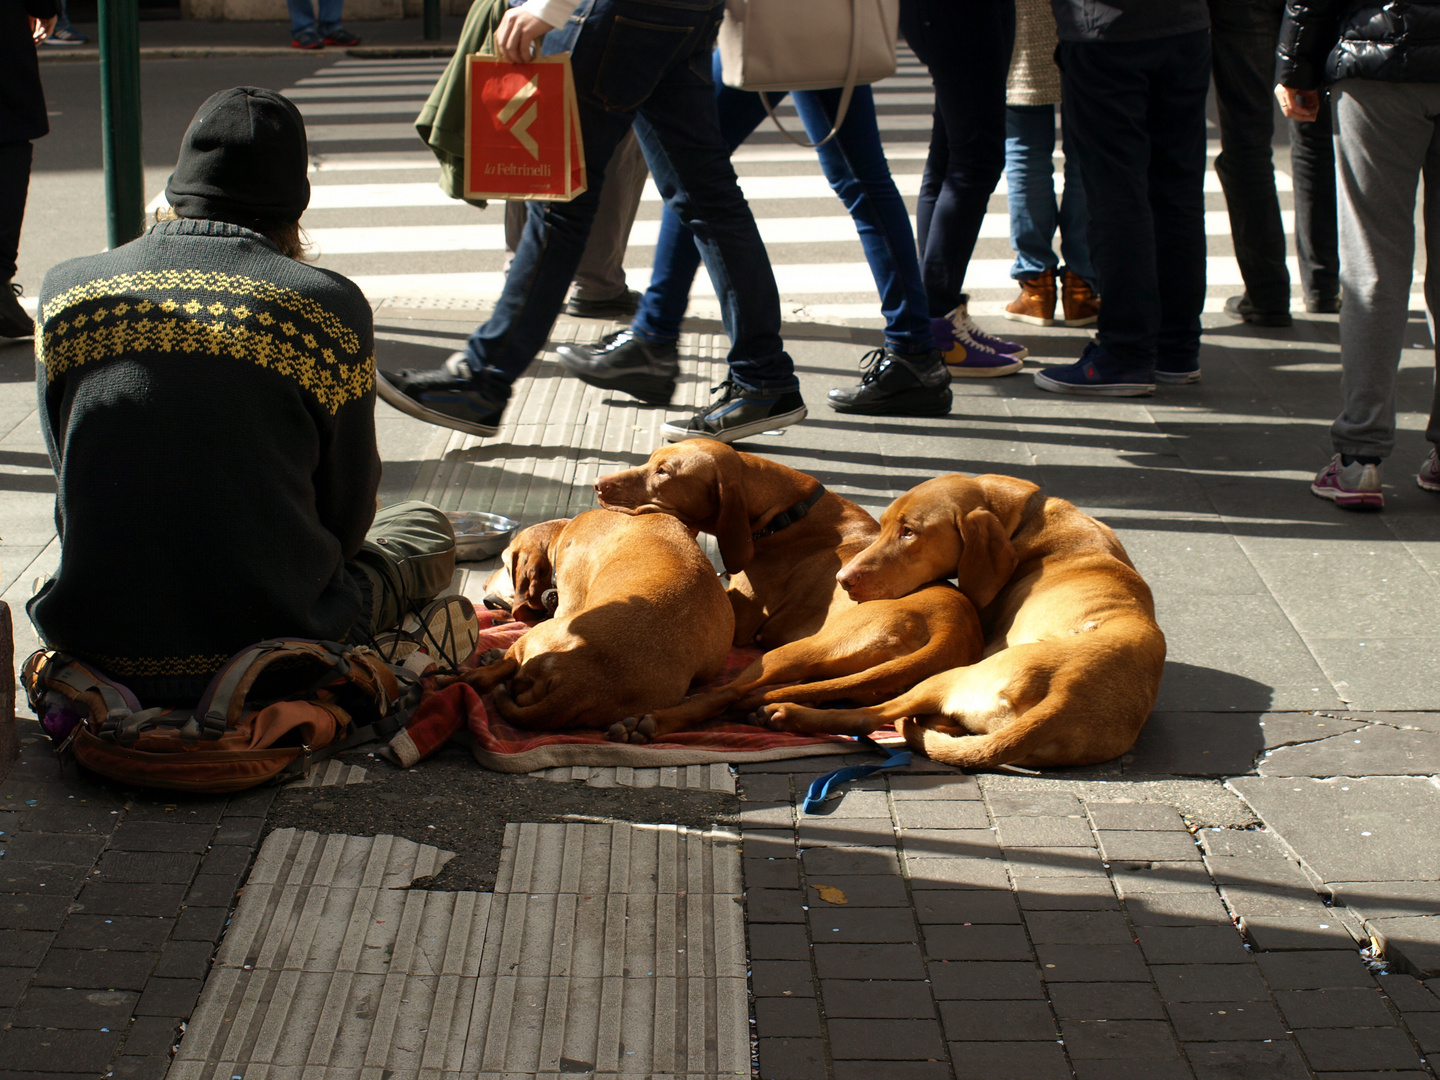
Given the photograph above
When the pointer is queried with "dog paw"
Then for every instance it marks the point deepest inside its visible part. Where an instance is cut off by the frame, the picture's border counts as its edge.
(633, 729)
(490, 656)
(770, 716)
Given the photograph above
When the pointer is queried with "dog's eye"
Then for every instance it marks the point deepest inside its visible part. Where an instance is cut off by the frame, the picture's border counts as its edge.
(906, 532)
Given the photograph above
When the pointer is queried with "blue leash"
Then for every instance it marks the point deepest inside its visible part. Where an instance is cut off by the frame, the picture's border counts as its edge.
(821, 786)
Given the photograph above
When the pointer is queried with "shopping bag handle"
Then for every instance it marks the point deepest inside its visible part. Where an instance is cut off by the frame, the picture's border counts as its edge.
(821, 787)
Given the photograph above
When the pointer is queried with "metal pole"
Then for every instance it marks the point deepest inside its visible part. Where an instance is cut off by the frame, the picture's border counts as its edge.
(432, 20)
(120, 120)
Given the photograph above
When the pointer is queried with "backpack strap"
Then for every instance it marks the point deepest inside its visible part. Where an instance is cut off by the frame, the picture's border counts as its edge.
(225, 698)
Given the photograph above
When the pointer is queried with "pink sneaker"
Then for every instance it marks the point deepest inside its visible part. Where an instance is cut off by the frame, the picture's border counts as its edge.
(1429, 475)
(1355, 486)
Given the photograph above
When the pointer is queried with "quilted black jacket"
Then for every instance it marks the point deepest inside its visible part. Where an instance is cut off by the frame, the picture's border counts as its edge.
(1327, 40)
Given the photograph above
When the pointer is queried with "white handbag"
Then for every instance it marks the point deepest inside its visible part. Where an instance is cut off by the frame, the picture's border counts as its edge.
(773, 45)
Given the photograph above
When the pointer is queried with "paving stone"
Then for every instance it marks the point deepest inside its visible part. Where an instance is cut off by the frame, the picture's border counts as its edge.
(182, 811)
(1158, 877)
(135, 933)
(1176, 909)
(774, 905)
(1357, 1048)
(981, 942)
(941, 814)
(1134, 816)
(1313, 970)
(1276, 903)
(1019, 832)
(240, 830)
(1373, 750)
(1250, 872)
(54, 847)
(846, 832)
(866, 890)
(856, 804)
(877, 998)
(117, 898)
(1088, 963)
(1388, 1074)
(148, 866)
(892, 1070)
(1196, 744)
(782, 978)
(759, 787)
(139, 1068)
(185, 959)
(1054, 862)
(966, 906)
(1141, 1069)
(13, 981)
(868, 961)
(1408, 993)
(787, 1017)
(1012, 1060)
(152, 1036)
(825, 861)
(778, 941)
(161, 836)
(39, 1051)
(25, 948)
(854, 1039)
(1270, 933)
(1209, 982)
(833, 923)
(1077, 928)
(801, 1059)
(231, 859)
(984, 981)
(1340, 1007)
(1413, 944)
(201, 924)
(1225, 1021)
(759, 815)
(168, 997)
(22, 912)
(1034, 804)
(1105, 1001)
(1126, 1039)
(1246, 1061)
(771, 873)
(1426, 1029)
(57, 882)
(1192, 945)
(947, 843)
(77, 1009)
(1388, 899)
(960, 873)
(96, 969)
(1241, 843)
(950, 787)
(212, 890)
(976, 1021)
(1145, 845)
(1066, 894)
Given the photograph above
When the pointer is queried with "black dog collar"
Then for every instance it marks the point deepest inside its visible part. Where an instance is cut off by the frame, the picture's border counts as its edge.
(789, 517)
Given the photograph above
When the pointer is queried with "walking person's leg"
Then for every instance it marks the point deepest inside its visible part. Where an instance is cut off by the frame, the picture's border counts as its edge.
(1078, 287)
(15, 159)
(304, 31)
(1317, 242)
(600, 285)
(1429, 475)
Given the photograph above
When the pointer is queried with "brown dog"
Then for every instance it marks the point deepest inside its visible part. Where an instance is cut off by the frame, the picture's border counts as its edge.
(640, 616)
(783, 538)
(1074, 656)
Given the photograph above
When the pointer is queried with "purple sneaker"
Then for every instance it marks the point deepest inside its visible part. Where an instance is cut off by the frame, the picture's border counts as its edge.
(1355, 486)
(966, 357)
(964, 326)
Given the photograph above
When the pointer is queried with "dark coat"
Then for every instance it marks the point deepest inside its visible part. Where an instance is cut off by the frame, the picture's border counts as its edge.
(1323, 41)
(22, 99)
(1108, 21)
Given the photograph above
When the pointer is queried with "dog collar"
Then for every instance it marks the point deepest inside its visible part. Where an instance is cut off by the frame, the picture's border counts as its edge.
(789, 517)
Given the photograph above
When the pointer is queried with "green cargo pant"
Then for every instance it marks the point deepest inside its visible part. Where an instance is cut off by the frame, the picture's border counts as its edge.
(407, 559)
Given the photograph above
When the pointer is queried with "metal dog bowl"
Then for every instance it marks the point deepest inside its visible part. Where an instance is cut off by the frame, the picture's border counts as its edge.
(478, 535)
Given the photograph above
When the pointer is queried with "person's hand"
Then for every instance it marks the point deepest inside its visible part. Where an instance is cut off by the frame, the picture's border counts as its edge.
(1302, 105)
(40, 29)
(517, 33)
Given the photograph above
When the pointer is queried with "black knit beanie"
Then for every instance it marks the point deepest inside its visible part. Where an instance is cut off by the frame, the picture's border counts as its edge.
(243, 160)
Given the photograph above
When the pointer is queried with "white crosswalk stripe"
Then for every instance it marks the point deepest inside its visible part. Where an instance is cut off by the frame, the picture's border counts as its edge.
(367, 158)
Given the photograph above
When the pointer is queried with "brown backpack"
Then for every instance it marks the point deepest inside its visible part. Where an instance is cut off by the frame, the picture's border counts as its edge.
(271, 713)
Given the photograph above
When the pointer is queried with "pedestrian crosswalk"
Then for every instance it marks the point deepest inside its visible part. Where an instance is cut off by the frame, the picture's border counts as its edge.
(369, 166)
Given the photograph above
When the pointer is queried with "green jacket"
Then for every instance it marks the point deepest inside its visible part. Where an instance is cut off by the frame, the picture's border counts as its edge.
(441, 122)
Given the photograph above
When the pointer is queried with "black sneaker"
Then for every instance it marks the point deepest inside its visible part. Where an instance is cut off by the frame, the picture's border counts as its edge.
(1323, 305)
(897, 384)
(623, 362)
(738, 415)
(451, 397)
(14, 322)
(1242, 308)
(618, 307)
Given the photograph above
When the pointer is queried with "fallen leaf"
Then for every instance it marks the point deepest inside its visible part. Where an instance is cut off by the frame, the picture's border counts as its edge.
(830, 894)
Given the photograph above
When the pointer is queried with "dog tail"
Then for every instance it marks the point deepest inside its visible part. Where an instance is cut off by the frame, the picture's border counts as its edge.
(881, 682)
(545, 713)
(1032, 739)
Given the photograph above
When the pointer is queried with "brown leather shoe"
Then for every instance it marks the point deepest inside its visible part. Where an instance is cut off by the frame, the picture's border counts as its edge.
(1080, 302)
(1036, 303)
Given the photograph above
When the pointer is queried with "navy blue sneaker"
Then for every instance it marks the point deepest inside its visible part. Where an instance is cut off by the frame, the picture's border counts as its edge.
(1177, 372)
(1095, 374)
(451, 397)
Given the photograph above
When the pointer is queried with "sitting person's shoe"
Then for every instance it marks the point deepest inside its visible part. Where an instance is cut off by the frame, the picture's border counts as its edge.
(1095, 374)
(1036, 303)
(738, 414)
(446, 632)
(1241, 307)
(617, 307)
(341, 37)
(966, 357)
(963, 328)
(1080, 303)
(623, 361)
(309, 39)
(1322, 305)
(15, 321)
(451, 397)
(1355, 486)
(897, 384)
(1177, 372)
(1429, 475)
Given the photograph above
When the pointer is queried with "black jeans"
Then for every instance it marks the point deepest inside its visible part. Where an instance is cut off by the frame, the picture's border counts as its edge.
(14, 185)
(966, 44)
(1134, 116)
(1243, 35)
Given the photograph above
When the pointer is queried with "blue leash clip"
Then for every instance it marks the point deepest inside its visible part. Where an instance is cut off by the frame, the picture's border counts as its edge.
(821, 787)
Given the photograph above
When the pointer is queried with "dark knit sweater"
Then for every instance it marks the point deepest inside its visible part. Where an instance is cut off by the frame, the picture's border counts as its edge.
(209, 407)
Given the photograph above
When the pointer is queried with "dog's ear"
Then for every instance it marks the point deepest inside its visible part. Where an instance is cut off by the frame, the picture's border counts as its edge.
(987, 558)
(732, 518)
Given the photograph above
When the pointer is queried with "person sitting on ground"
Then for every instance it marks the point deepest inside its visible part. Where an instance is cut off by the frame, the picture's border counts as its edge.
(208, 403)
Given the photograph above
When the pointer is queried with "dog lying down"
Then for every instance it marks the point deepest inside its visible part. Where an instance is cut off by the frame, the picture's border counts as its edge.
(639, 615)
(1073, 658)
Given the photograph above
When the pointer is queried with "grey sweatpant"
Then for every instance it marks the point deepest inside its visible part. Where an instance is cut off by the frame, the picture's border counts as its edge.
(1387, 138)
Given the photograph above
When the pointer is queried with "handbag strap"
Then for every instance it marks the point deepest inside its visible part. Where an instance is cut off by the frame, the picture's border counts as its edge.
(845, 94)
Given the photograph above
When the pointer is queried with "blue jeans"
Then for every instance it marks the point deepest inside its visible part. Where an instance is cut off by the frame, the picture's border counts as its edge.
(854, 163)
(1030, 176)
(1134, 115)
(644, 63)
(303, 18)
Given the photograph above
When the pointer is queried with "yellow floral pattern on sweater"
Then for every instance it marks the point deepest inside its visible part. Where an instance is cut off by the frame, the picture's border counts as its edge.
(214, 314)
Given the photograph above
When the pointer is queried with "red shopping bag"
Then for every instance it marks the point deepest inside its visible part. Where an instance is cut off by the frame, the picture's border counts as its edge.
(522, 130)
